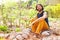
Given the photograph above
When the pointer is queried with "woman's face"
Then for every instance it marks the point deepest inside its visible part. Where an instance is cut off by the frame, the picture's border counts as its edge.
(39, 8)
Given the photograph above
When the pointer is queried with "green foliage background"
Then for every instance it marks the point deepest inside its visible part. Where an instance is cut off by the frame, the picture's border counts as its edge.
(17, 13)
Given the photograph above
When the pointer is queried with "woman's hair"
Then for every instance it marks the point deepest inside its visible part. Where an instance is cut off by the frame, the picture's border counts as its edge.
(40, 5)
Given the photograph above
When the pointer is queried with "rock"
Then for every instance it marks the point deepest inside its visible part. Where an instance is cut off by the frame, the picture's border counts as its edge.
(36, 39)
(46, 33)
(19, 37)
(14, 39)
(58, 37)
(1, 35)
(47, 38)
(19, 33)
(55, 30)
(12, 35)
(55, 38)
(24, 35)
(52, 37)
(26, 31)
(7, 36)
(30, 39)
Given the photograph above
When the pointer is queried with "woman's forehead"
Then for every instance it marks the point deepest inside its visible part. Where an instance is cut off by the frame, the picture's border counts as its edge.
(39, 5)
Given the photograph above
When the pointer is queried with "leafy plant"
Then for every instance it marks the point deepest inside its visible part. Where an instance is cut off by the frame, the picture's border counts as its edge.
(3, 28)
(53, 11)
(17, 30)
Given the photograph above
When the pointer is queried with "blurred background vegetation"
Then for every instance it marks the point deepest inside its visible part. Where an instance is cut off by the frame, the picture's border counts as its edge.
(17, 13)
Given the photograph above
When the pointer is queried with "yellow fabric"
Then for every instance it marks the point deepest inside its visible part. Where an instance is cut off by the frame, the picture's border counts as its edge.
(39, 26)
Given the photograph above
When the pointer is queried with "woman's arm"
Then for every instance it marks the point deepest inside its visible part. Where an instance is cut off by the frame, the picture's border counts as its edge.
(43, 17)
(33, 19)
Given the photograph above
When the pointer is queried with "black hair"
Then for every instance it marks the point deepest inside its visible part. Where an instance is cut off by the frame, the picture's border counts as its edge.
(40, 5)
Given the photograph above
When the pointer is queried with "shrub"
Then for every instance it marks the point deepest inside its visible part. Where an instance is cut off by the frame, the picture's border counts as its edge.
(54, 11)
(17, 29)
(3, 28)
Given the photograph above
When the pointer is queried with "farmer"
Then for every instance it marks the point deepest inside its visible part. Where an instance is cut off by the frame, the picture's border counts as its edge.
(40, 22)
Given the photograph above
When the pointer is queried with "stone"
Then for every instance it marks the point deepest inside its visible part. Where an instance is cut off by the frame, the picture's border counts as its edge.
(1, 35)
(46, 33)
(58, 37)
(24, 35)
(7, 36)
(14, 39)
(26, 31)
(19, 37)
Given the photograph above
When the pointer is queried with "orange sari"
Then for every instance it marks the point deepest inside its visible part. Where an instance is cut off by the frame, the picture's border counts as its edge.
(39, 26)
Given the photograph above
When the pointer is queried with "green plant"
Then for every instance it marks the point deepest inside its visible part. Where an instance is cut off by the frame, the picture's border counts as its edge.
(17, 30)
(53, 11)
(3, 28)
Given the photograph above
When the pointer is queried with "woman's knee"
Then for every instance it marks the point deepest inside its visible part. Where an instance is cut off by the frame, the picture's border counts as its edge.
(41, 20)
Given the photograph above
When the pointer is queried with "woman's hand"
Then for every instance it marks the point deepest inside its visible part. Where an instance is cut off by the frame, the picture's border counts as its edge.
(31, 24)
(34, 21)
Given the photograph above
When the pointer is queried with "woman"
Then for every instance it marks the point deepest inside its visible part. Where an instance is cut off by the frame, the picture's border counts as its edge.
(40, 22)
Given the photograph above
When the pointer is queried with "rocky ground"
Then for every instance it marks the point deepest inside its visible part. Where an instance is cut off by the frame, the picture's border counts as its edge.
(26, 34)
